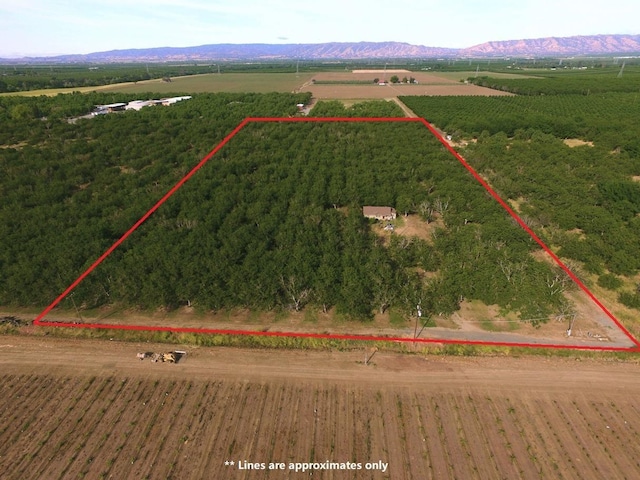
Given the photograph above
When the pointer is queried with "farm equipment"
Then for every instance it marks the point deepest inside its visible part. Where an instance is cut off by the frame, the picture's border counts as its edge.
(168, 357)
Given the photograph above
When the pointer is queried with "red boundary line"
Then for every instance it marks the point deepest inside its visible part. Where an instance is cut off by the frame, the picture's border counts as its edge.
(42, 323)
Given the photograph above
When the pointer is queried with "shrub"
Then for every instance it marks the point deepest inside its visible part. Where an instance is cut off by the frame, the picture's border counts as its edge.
(631, 300)
(609, 281)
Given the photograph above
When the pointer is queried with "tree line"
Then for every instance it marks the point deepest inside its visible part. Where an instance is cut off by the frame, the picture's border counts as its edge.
(584, 201)
(273, 221)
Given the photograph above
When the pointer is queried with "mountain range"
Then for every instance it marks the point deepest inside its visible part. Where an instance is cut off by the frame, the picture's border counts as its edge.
(540, 47)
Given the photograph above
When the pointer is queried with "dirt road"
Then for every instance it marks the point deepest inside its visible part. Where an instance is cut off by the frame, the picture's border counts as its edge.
(38, 355)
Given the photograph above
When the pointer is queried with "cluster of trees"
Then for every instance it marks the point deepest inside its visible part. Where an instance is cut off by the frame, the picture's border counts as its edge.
(20, 78)
(373, 108)
(396, 79)
(69, 190)
(605, 119)
(589, 82)
(583, 200)
(273, 221)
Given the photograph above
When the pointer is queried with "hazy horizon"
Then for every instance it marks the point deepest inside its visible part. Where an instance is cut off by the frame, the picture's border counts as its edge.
(49, 28)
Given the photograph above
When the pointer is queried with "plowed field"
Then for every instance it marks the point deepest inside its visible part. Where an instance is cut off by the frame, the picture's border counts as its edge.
(90, 409)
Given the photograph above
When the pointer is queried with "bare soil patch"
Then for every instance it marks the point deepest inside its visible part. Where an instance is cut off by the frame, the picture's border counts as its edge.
(576, 142)
(409, 226)
(414, 226)
(325, 92)
(92, 410)
(16, 146)
(369, 75)
(355, 72)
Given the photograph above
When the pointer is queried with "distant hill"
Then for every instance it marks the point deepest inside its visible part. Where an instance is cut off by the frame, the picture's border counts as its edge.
(551, 46)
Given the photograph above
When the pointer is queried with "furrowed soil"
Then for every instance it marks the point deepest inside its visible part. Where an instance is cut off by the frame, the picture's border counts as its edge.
(339, 86)
(90, 409)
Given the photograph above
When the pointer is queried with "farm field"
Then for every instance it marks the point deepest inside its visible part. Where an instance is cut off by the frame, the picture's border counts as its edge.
(92, 410)
(350, 92)
(446, 83)
(457, 76)
(226, 82)
(428, 84)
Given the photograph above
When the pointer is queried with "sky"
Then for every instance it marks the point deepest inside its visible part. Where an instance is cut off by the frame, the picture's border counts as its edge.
(54, 27)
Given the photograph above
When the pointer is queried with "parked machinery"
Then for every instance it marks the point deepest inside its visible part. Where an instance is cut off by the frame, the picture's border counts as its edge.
(165, 357)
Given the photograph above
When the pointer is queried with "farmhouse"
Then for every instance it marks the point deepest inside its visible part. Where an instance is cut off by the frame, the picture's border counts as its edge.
(379, 213)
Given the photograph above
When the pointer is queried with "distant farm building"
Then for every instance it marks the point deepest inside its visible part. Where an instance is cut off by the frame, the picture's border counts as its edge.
(170, 101)
(111, 107)
(136, 105)
(379, 213)
(139, 104)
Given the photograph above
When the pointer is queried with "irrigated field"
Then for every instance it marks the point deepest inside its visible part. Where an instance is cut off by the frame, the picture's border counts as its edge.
(78, 409)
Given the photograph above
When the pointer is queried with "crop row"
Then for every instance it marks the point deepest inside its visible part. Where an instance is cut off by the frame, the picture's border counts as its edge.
(102, 427)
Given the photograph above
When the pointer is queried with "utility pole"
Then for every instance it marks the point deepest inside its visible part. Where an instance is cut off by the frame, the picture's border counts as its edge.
(571, 322)
(418, 317)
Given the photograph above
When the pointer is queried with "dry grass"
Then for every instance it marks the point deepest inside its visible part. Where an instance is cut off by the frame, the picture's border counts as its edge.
(576, 142)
